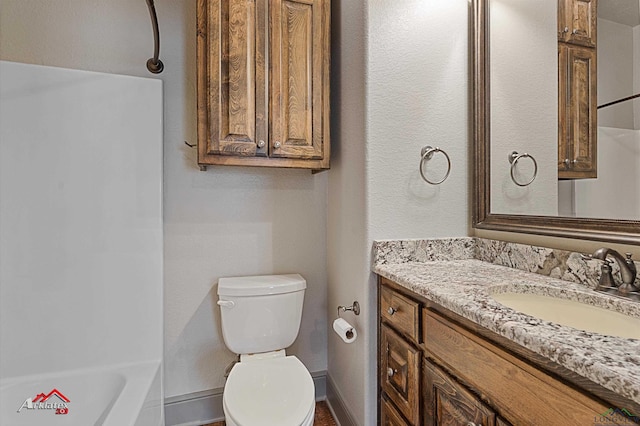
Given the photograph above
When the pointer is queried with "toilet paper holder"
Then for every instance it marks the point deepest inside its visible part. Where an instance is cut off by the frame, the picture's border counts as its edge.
(355, 308)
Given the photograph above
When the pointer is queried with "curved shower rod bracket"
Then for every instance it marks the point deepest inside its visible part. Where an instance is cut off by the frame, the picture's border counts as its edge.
(154, 64)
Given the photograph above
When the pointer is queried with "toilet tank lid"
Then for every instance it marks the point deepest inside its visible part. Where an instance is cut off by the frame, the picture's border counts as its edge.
(261, 285)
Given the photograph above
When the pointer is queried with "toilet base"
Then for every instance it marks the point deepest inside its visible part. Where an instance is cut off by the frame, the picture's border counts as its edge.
(308, 421)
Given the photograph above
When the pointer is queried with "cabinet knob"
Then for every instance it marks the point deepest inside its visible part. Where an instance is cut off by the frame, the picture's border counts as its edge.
(472, 424)
(277, 145)
(575, 31)
(261, 144)
(391, 310)
(565, 30)
(391, 372)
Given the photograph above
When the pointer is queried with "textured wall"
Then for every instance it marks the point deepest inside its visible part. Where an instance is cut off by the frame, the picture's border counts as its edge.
(415, 89)
(347, 254)
(226, 221)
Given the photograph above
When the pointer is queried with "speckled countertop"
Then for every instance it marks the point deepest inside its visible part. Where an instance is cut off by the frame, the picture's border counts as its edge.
(464, 285)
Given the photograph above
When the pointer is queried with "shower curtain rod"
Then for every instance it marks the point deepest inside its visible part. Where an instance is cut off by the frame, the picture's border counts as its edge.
(628, 98)
(154, 64)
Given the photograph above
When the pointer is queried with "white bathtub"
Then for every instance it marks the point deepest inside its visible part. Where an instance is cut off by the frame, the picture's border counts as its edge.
(126, 395)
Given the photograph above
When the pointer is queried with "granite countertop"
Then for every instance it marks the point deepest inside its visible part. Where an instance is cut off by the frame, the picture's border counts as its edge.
(464, 286)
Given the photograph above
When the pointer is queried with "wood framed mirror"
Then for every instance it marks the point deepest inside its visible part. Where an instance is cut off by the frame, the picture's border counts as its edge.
(625, 231)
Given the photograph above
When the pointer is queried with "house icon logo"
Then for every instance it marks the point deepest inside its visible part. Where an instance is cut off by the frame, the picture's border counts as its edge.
(54, 400)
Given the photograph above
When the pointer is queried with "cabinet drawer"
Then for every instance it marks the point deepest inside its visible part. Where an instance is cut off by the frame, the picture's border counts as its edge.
(389, 416)
(524, 394)
(400, 373)
(401, 313)
(448, 403)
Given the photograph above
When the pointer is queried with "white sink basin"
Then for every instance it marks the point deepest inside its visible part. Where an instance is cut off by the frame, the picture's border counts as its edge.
(573, 314)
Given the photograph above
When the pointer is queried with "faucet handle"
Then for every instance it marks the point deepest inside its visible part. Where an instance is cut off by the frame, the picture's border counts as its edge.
(606, 277)
(631, 264)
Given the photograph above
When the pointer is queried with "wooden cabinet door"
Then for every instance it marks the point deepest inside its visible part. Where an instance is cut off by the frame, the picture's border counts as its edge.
(400, 373)
(299, 81)
(577, 21)
(448, 403)
(389, 416)
(232, 98)
(577, 140)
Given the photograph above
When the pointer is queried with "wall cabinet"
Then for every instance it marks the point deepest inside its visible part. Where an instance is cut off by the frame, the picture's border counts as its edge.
(263, 83)
(577, 89)
(454, 372)
(577, 138)
(577, 22)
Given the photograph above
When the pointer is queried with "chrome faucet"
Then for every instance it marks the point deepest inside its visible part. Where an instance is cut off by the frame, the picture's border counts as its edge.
(628, 270)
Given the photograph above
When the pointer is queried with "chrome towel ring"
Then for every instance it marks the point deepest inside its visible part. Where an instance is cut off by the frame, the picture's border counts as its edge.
(426, 154)
(514, 157)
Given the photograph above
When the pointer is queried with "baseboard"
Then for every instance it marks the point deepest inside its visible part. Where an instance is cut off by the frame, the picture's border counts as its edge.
(199, 408)
(338, 408)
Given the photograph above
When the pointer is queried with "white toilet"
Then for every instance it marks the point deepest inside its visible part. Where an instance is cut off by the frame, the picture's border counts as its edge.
(260, 318)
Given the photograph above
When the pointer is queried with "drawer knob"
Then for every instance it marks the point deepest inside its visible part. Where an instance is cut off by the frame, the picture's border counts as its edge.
(391, 372)
(391, 310)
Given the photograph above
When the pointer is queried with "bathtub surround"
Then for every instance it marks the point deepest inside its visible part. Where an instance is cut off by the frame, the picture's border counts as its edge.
(464, 285)
(81, 247)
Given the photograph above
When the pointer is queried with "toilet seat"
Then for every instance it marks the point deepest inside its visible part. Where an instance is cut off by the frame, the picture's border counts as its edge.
(269, 392)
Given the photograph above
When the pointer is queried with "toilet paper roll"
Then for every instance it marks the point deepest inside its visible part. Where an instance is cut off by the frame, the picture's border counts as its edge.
(345, 330)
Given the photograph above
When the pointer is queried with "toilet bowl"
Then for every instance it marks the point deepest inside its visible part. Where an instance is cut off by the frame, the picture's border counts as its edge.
(260, 318)
(269, 392)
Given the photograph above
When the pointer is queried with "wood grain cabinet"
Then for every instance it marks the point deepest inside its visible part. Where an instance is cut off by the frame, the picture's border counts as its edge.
(458, 373)
(263, 83)
(577, 22)
(577, 138)
(577, 89)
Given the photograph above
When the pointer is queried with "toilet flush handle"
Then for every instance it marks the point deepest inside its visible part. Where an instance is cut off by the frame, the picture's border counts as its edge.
(226, 303)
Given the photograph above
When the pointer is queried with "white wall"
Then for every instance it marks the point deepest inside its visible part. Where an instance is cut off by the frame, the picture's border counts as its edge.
(524, 105)
(225, 221)
(80, 219)
(347, 255)
(416, 92)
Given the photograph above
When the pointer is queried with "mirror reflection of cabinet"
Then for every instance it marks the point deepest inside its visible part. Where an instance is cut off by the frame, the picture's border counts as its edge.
(577, 22)
(577, 90)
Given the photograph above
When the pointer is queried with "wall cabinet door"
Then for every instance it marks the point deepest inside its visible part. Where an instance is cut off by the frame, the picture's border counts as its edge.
(232, 114)
(263, 83)
(448, 403)
(297, 92)
(577, 22)
(577, 110)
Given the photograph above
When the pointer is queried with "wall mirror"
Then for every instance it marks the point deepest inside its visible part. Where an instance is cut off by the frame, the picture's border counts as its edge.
(551, 156)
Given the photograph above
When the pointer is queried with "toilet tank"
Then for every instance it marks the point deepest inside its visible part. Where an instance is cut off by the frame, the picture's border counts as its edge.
(260, 313)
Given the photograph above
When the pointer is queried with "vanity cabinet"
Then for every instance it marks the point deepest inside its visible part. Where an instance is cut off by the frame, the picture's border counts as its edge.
(577, 112)
(263, 83)
(577, 89)
(455, 372)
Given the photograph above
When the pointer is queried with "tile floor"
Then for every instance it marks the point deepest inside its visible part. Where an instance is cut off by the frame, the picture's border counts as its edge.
(323, 416)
